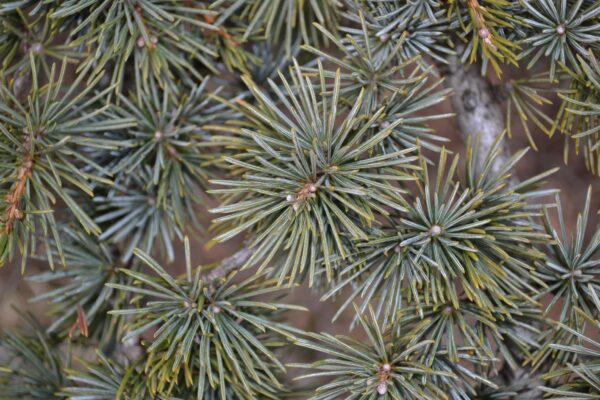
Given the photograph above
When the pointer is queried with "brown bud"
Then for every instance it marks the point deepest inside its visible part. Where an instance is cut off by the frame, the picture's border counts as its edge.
(172, 151)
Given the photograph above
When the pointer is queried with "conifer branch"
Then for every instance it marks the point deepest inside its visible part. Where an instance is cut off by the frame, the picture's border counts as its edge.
(307, 127)
(477, 105)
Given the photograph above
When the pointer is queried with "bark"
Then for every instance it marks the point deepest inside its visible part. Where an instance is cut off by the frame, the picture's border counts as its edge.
(478, 108)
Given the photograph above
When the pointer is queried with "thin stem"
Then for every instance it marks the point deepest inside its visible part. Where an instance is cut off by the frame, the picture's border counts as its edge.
(231, 263)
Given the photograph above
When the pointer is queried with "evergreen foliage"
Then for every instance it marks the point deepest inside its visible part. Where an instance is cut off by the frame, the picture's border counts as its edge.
(34, 365)
(306, 131)
(386, 363)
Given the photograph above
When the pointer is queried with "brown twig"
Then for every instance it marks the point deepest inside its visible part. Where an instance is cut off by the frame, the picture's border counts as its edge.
(482, 29)
(13, 212)
(151, 45)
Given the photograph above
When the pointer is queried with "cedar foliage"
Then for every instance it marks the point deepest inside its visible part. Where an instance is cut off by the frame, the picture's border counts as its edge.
(303, 126)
